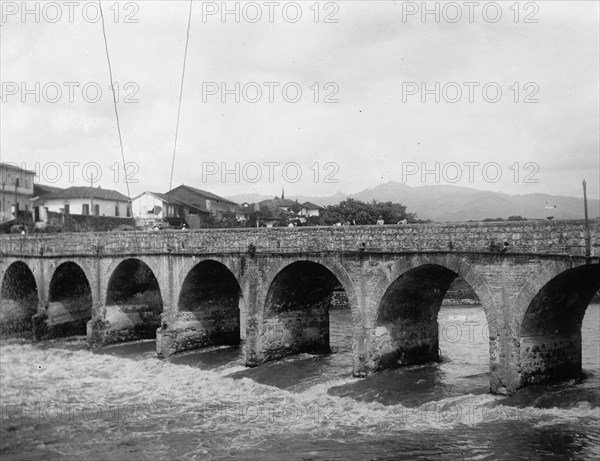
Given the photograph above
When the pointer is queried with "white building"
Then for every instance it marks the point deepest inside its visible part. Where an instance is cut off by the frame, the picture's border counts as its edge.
(150, 207)
(310, 209)
(82, 201)
(182, 205)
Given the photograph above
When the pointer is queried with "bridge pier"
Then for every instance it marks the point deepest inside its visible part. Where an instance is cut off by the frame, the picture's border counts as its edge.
(362, 357)
(547, 358)
(287, 335)
(404, 344)
(122, 323)
(58, 320)
(39, 326)
(504, 362)
(193, 330)
(550, 338)
(296, 332)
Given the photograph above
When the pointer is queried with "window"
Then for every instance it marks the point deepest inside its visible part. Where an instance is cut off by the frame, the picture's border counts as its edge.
(128, 211)
(117, 209)
(96, 210)
(85, 209)
(67, 210)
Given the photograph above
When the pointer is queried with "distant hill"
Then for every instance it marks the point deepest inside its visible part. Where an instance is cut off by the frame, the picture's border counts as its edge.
(455, 203)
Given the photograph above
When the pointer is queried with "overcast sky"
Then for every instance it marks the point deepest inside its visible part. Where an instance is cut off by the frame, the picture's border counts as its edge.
(371, 60)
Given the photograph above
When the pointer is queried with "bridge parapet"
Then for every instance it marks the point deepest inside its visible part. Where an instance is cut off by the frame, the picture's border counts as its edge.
(527, 237)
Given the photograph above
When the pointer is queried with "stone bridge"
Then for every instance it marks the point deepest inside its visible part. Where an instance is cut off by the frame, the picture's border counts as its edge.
(269, 290)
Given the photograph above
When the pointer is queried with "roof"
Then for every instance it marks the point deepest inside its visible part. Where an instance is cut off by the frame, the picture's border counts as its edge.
(40, 190)
(14, 167)
(311, 206)
(192, 195)
(86, 192)
(248, 207)
(277, 203)
(172, 201)
(164, 197)
(160, 196)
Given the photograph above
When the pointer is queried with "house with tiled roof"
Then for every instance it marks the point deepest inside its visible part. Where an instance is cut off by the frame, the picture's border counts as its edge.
(282, 211)
(279, 203)
(157, 209)
(309, 209)
(182, 205)
(203, 200)
(278, 212)
(199, 202)
(85, 201)
(150, 208)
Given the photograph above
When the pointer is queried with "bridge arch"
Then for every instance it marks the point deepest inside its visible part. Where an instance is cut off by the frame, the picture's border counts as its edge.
(454, 263)
(402, 315)
(335, 268)
(535, 282)
(53, 267)
(550, 340)
(296, 299)
(112, 265)
(134, 301)
(70, 300)
(211, 297)
(18, 298)
(189, 264)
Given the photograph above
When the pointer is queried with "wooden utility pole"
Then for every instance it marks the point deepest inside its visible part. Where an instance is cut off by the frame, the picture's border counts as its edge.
(3, 202)
(16, 200)
(91, 195)
(588, 240)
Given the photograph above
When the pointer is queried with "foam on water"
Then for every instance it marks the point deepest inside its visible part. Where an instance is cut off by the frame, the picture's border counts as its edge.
(157, 388)
(126, 404)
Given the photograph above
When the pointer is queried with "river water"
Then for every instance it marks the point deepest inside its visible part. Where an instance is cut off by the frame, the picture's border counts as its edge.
(61, 401)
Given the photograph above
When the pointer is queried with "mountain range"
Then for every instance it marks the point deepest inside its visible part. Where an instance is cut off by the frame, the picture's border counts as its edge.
(455, 203)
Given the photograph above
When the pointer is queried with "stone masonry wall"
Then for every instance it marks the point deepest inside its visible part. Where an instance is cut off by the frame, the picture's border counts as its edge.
(528, 237)
(547, 358)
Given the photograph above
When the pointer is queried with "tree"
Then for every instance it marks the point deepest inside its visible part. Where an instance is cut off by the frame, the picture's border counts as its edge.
(358, 212)
(314, 221)
(225, 220)
(264, 213)
(296, 208)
